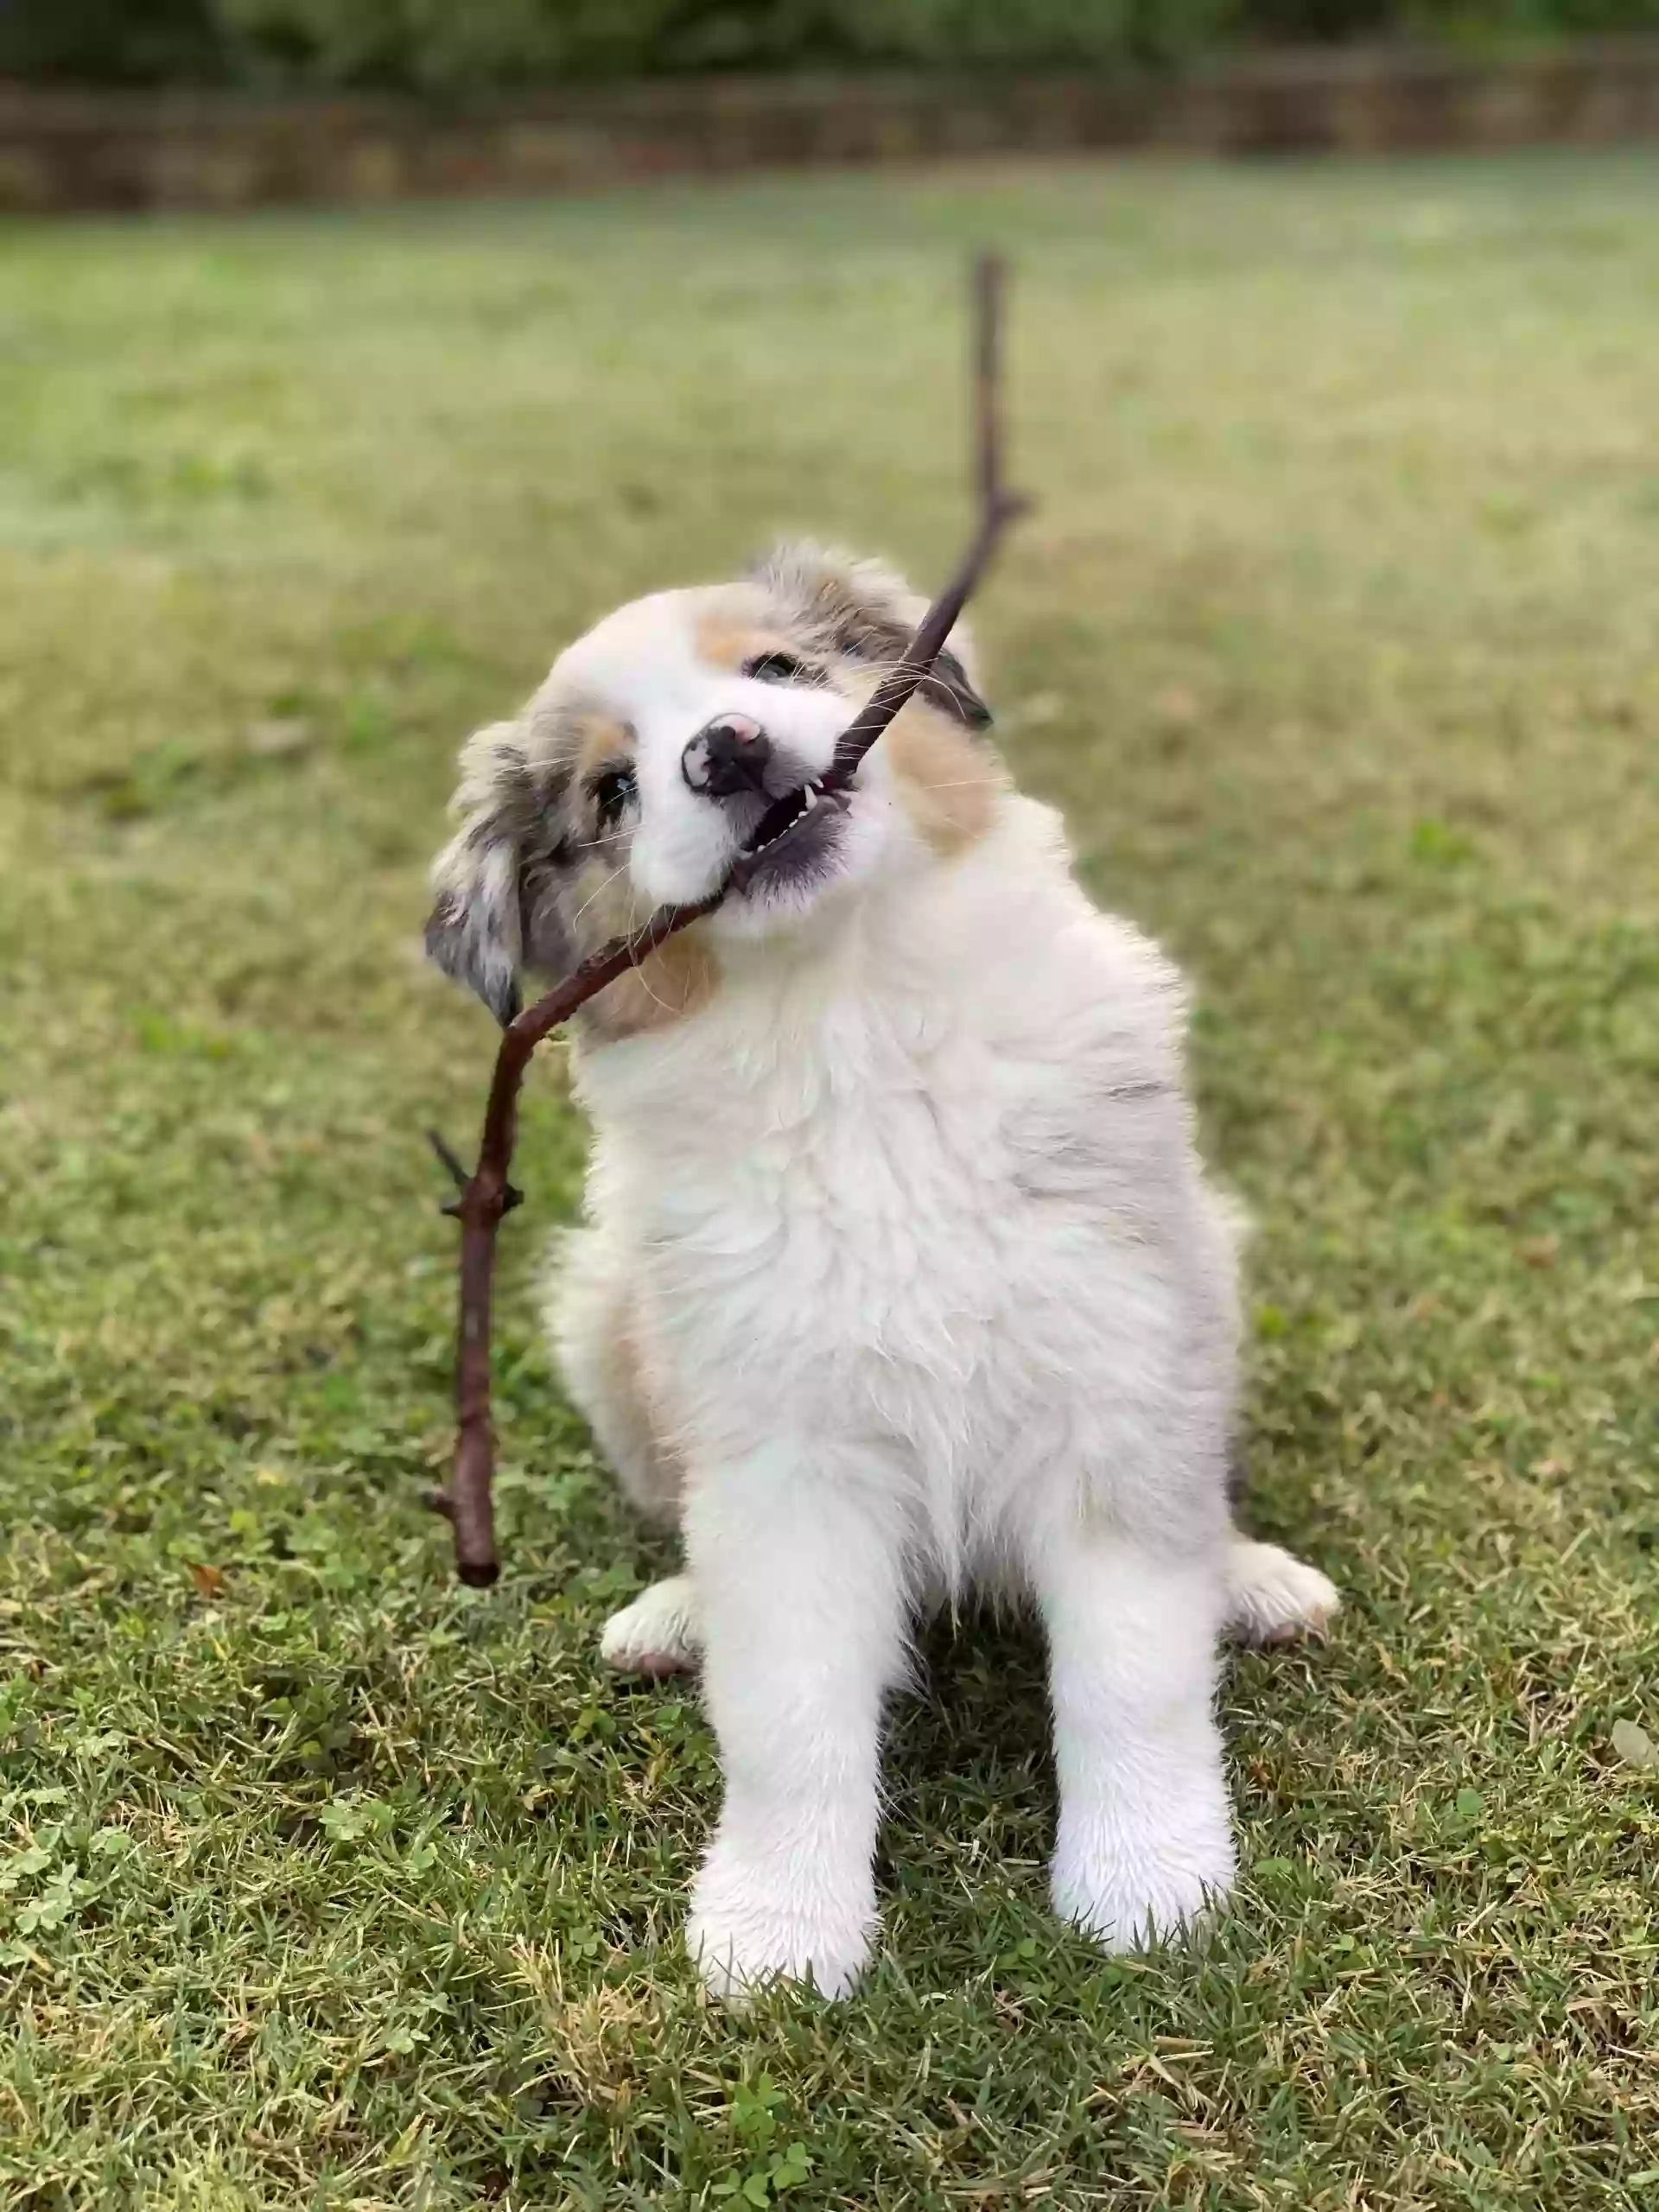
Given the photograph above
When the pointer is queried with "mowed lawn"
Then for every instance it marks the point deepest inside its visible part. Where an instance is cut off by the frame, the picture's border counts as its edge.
(327, 1883)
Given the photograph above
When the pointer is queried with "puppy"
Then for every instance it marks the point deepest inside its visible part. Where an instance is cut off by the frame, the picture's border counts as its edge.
(900, 1273)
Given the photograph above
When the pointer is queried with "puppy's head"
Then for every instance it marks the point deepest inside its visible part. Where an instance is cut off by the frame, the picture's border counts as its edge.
(646, 762)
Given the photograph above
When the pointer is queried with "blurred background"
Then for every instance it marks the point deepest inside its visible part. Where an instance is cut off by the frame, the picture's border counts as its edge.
(439, 45)
(260, 100)
(391, 344)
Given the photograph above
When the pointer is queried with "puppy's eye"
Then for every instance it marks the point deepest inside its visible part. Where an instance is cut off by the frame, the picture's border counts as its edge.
(614, 789)
(781, 667)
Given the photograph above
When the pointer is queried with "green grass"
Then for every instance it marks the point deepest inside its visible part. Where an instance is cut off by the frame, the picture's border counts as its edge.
(327, 1883)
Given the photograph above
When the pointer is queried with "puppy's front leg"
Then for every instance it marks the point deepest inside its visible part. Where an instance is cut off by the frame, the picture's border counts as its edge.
(800, 1578)
(1144, 1838)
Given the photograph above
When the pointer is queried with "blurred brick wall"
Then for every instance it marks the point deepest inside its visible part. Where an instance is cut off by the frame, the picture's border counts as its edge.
(61, 151)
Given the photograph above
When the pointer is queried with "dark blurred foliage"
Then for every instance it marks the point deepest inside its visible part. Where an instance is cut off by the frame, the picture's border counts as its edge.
(461, 45)
(112, 41)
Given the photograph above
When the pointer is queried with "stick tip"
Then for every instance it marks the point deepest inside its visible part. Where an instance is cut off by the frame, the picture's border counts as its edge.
(990, 274)
(479, 1574)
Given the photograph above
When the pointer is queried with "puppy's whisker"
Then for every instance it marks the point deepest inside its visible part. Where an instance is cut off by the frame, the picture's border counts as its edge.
(643, 970)
(598, 892)
(883, 668)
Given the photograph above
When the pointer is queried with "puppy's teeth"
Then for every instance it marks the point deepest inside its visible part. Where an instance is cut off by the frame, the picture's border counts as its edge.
(809, 799)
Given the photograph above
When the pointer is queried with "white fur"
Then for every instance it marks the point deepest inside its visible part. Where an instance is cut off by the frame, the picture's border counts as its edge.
(1269, 1597)
(901, 1275)
(931, 1290)
(660, 1633)
(1272, 1597)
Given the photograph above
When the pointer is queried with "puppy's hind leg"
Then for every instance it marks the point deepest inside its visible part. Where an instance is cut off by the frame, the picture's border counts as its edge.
(660, 1633)
(590, 1312)
(1273, 1598)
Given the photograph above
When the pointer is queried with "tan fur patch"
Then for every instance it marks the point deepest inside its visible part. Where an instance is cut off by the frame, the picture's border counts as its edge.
(725, 640)
(630, 1376)
(946, 781)
(598, 739)
(679, 978)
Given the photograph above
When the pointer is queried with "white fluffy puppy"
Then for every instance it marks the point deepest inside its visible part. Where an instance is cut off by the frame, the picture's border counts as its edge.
(902, 1273)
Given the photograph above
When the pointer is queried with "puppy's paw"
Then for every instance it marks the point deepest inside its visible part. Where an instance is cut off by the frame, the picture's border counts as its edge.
(658, 1634)
(753, 1922)
(1128, 1898)
(1272, 1598)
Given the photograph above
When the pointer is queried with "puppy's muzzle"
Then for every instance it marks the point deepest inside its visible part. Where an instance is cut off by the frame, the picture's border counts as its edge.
(729, 756)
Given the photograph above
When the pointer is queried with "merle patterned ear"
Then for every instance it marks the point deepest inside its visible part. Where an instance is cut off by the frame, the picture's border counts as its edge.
(473, 929)
(868, 610)
(495, 906)
(947, 688)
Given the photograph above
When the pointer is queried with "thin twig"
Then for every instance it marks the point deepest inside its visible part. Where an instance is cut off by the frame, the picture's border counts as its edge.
(447, 1159)
(486, 1194)
(990, 275)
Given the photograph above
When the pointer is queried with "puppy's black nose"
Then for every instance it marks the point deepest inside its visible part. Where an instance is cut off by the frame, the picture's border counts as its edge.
(727, 755)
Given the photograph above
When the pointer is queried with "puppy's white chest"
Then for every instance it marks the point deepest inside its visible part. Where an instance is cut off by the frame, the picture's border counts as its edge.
(926, 1196)
(859, 1255)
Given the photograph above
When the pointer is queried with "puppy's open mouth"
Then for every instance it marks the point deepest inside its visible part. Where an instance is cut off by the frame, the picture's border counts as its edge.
(793, 839)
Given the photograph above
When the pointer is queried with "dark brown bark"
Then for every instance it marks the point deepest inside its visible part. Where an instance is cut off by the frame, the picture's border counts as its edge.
(487, 1194)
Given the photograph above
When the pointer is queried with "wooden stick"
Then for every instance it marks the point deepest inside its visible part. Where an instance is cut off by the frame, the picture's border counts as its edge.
(487, 1194)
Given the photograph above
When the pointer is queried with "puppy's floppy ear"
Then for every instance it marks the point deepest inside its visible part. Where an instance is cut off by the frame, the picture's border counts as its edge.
(495, 887)
(866, 610)
(950, 687)
(475, 931)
